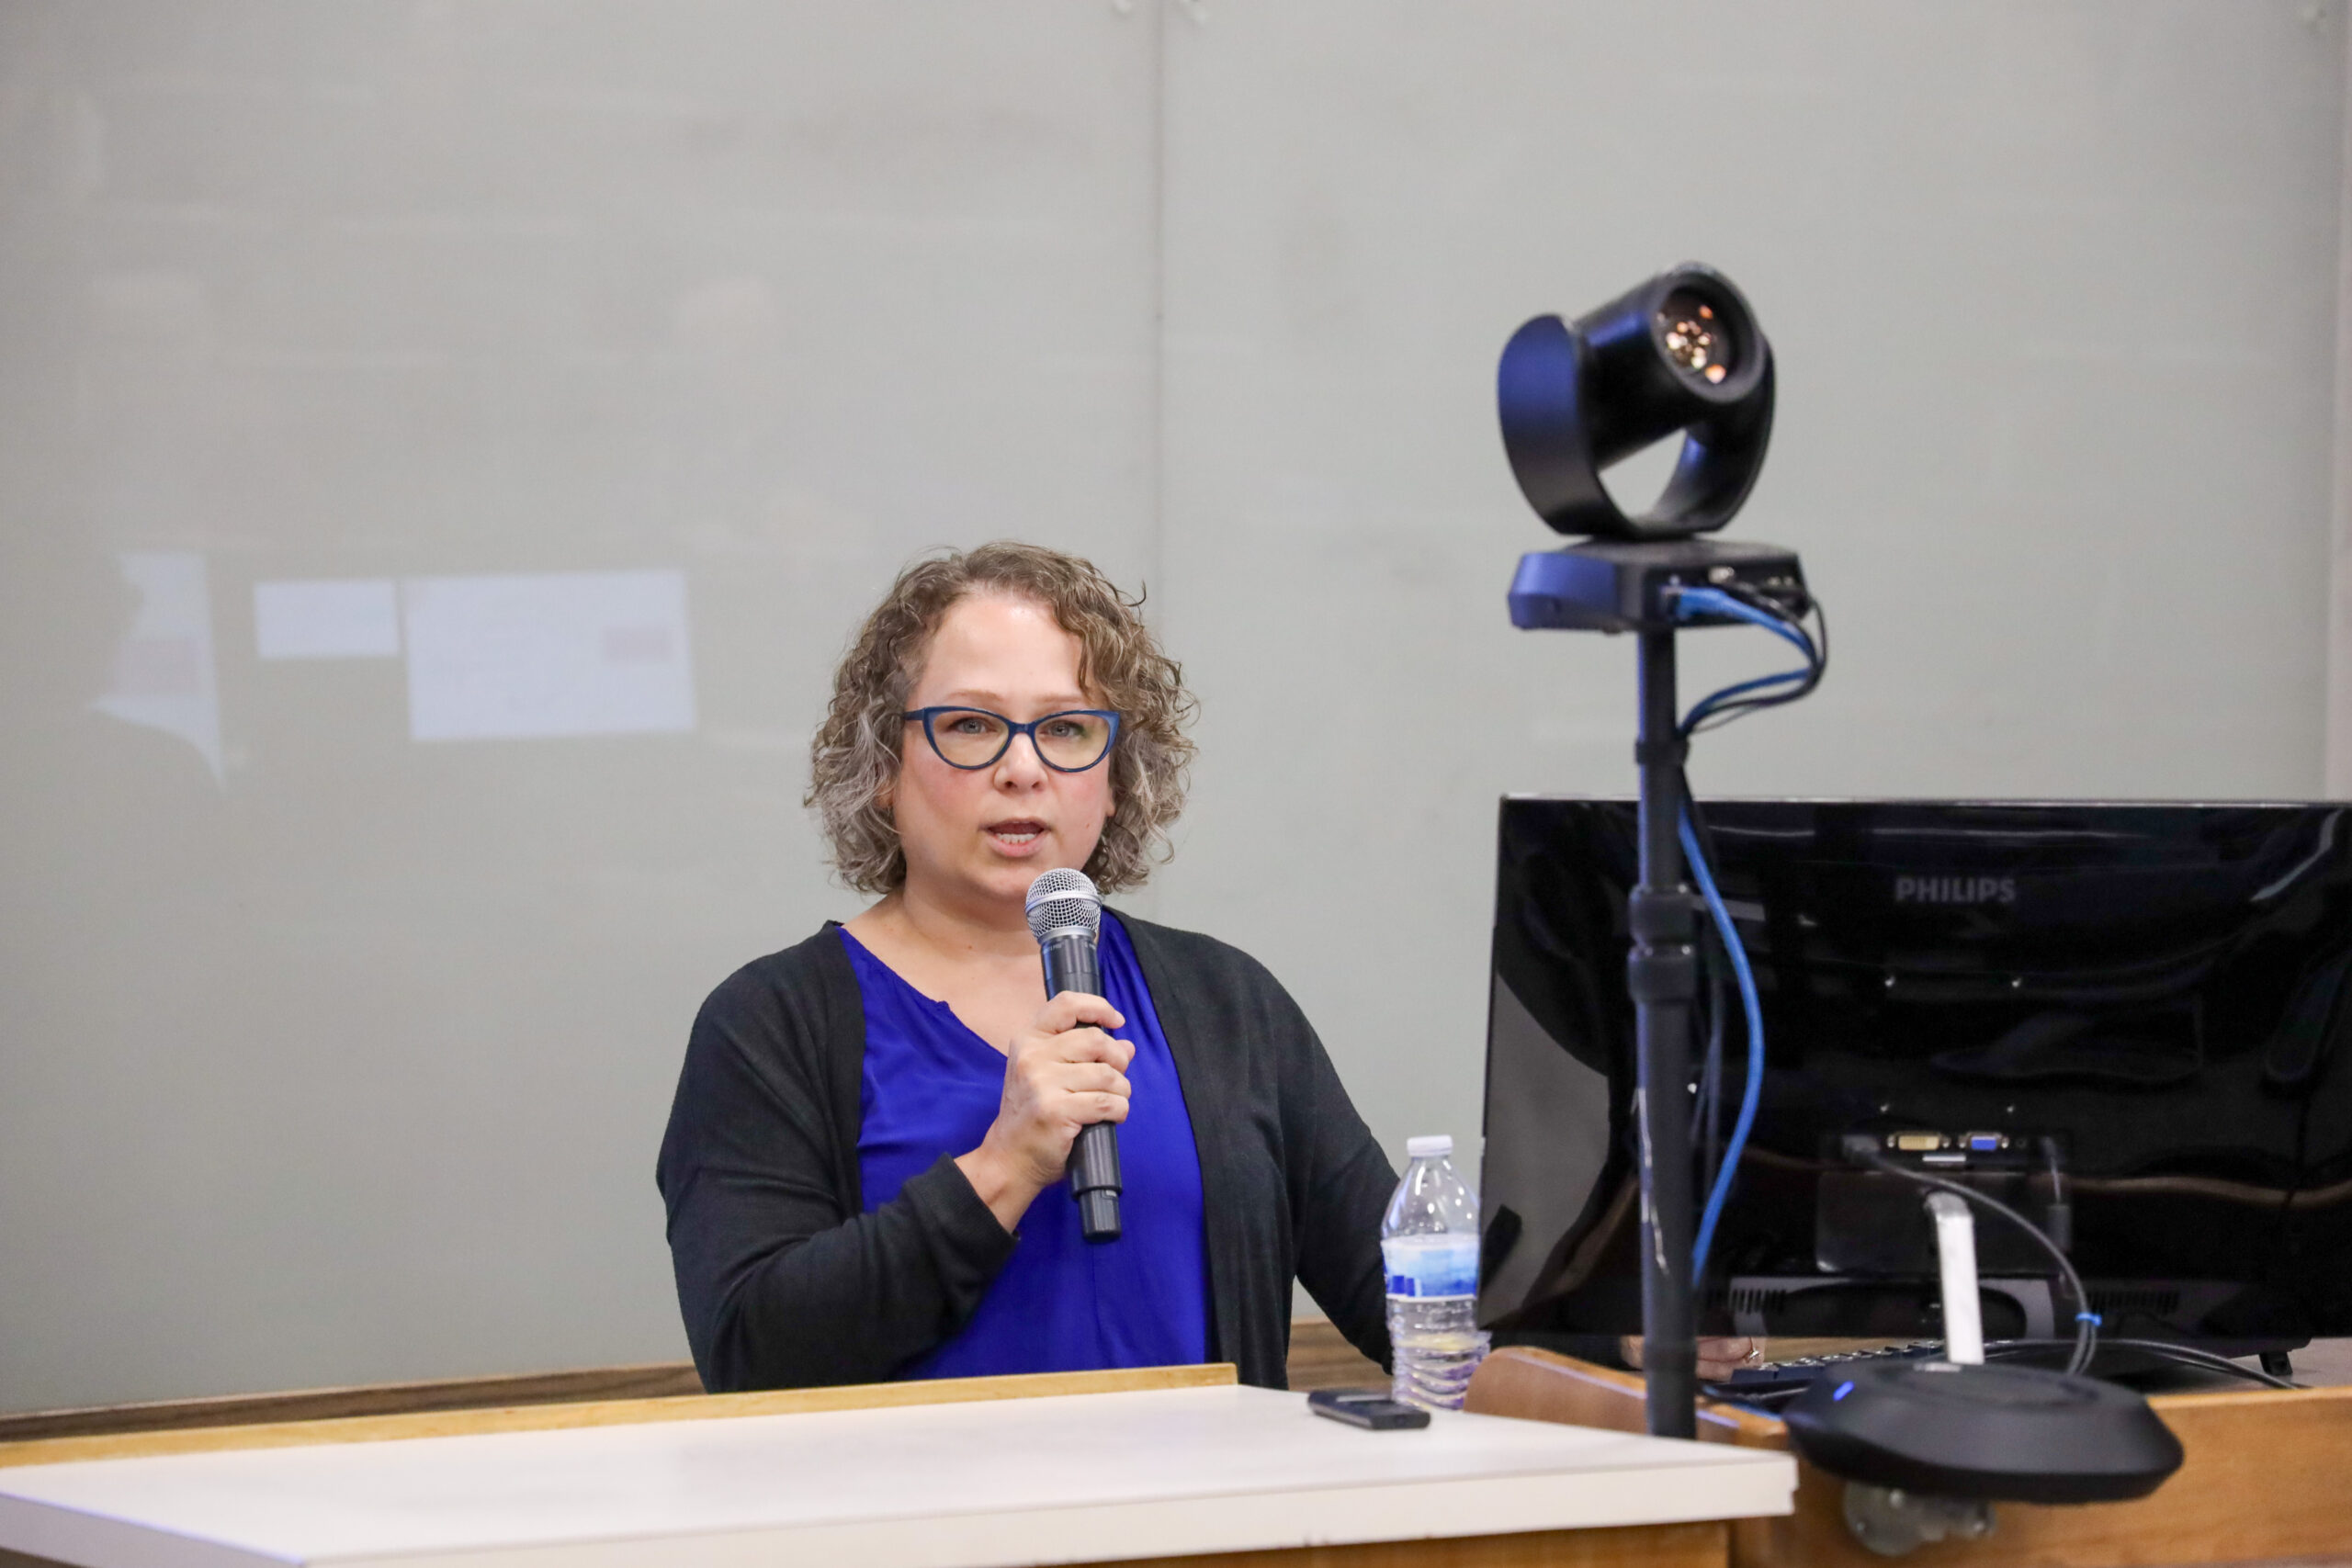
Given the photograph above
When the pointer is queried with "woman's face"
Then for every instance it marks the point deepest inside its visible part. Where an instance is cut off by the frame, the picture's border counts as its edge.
(983, 834)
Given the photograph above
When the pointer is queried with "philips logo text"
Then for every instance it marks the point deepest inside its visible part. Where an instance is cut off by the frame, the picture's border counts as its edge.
(1955, 889)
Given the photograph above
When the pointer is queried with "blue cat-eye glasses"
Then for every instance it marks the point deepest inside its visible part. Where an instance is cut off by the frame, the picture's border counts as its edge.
(1068, 742)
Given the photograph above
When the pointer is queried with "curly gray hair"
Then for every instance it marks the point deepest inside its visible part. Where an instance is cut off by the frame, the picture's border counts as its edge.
(855, 757)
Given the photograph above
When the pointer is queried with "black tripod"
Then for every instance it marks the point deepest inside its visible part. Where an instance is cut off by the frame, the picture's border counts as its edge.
(1615, 587)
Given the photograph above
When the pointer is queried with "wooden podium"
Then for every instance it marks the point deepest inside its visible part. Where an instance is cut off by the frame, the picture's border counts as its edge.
(1157, 1465)
(2267, 1479)
(2269, 1475)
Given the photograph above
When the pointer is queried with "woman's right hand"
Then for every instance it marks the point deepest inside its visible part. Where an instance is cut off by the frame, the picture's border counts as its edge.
(1718, 1359)
(1061, 1074)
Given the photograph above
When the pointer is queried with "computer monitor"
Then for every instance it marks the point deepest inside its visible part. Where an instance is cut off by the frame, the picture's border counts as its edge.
(2151, 998)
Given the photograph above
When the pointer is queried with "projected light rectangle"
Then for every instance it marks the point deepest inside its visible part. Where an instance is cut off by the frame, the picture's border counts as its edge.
(543, 655)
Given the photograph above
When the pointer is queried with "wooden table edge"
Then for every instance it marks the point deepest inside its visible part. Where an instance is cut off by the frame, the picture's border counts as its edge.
(607, 1412)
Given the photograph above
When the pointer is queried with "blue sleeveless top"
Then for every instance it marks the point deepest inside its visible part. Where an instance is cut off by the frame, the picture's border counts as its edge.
(931, 1088)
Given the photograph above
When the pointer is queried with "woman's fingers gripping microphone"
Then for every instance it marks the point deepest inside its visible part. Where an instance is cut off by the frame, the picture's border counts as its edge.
(1094, 1090)
(1083, 1074)
(1061, 1074)
(1092, 1076)
(1075, 1012)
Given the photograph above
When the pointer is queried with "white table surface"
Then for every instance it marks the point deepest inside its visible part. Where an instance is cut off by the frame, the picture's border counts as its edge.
(1057, 1480)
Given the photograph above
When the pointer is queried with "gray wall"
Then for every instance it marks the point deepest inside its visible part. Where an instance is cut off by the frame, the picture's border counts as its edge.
(328, 1054)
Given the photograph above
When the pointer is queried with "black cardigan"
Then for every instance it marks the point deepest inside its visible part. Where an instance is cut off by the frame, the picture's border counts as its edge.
(785, 1281)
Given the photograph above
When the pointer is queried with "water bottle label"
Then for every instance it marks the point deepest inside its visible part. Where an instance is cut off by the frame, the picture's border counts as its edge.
(1431, 1268)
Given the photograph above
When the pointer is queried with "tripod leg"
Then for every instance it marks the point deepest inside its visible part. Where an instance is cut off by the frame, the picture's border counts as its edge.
(1662, 974)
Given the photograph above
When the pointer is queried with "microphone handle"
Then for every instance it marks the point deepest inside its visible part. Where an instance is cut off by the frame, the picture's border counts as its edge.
(1071, 964)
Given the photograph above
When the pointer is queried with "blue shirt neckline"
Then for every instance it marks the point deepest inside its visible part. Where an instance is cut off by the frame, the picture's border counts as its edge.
(946, 1011)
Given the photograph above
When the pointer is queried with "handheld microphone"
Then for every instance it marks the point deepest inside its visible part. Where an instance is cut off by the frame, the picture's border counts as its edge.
(1066, 917)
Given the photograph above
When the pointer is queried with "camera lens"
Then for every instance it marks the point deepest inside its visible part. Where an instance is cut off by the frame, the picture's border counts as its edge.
(1698, 341)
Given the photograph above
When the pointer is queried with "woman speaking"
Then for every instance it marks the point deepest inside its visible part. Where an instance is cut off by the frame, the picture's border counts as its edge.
(863, 1166)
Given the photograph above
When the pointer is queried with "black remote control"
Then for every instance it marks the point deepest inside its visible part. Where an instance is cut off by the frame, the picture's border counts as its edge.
(1367, 1407)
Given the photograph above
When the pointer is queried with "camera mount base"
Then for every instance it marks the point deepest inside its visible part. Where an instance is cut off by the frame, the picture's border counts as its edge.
(1610, 587)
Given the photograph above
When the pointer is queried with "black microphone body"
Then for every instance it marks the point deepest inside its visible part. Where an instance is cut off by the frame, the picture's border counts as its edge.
(1072, 963)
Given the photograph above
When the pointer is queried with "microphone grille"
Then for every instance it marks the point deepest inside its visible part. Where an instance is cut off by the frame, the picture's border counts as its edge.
(1061, 899)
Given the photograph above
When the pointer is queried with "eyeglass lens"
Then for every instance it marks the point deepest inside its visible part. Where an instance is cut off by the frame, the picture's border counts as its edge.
(971, 738)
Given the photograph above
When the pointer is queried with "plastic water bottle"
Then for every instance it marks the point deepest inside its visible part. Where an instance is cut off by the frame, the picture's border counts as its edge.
(1428, 1242)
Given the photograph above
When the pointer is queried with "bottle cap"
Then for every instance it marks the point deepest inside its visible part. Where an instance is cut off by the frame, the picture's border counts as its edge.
(1429, 1146)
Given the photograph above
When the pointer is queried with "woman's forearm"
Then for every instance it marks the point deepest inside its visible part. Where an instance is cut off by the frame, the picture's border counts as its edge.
(1000, 1183)
(850, 1302)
